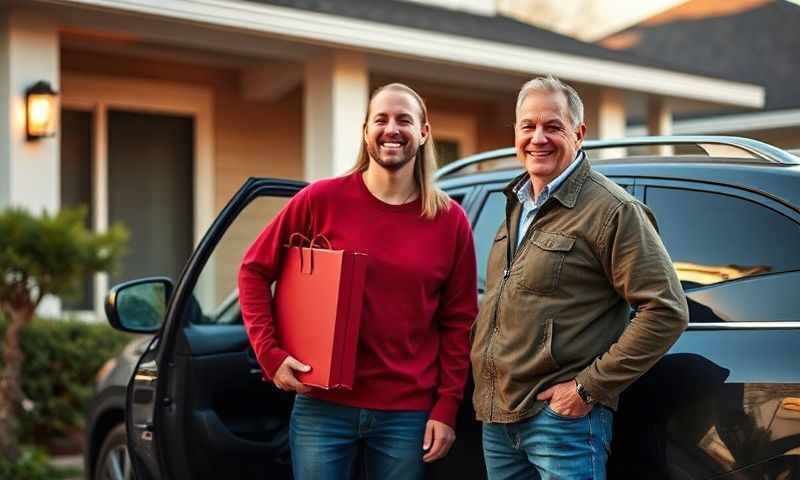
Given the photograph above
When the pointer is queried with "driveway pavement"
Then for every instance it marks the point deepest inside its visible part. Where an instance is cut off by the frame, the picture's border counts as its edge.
(70, 462)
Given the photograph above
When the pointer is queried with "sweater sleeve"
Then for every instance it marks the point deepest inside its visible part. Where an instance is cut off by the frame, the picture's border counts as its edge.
(457, 310)
(259, 269)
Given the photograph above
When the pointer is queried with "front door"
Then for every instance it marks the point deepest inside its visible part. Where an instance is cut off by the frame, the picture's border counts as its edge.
(150, 190)
(200, 385)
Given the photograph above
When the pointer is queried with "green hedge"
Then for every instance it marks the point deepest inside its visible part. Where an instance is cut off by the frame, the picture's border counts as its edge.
(33, 464)
(62, 358)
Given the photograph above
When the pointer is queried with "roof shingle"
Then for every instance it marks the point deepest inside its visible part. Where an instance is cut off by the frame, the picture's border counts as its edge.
(759, 45)
(493, 28)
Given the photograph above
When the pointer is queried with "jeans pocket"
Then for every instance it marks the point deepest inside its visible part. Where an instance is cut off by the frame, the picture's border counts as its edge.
(549, 410)
(306, 406)
(602, 425)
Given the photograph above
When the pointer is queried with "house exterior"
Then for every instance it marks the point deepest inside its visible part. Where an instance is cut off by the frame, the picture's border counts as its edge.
(166, 107)
(752, 41)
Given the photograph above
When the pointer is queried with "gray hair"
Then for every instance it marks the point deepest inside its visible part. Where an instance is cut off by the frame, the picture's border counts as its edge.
(551, 84)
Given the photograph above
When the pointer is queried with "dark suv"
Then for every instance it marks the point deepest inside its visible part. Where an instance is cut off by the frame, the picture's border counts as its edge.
(723, 403)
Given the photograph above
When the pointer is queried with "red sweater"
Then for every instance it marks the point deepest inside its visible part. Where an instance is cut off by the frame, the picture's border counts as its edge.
(419, 301)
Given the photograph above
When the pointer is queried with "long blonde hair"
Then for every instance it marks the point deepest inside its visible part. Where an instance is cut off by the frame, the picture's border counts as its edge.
(434, 200)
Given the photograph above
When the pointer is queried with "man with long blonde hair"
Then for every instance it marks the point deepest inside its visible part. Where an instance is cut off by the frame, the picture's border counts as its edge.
(419, 302)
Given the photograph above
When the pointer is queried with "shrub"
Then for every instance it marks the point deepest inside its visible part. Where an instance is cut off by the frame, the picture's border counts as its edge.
(62, 358)
(41, 255)
(32, 464)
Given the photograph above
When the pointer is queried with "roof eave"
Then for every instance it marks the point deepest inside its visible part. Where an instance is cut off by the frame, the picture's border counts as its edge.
(339, 31)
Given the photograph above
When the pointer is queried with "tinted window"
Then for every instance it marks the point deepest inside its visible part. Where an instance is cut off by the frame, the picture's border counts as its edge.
(458, 197)
(713, 237)
(489, 219)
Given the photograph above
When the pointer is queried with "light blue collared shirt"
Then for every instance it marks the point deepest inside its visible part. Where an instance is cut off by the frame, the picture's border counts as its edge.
(530, 206)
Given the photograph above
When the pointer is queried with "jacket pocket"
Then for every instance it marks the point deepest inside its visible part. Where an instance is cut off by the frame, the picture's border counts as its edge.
(544, 350)
(528, 356)
(544, 260)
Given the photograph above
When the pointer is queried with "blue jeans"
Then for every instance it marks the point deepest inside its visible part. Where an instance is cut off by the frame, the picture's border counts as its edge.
(324, 440)
(549, 446)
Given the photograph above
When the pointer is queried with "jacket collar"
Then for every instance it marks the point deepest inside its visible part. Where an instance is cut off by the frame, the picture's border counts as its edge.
(567, 193)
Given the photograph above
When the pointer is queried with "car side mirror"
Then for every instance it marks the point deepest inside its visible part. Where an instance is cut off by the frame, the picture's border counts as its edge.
(139, 306)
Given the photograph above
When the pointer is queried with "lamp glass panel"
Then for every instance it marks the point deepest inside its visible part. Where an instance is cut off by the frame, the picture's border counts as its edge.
(42, 115)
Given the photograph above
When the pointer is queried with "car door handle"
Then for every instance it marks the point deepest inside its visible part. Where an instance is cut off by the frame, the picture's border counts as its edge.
(251, 358)
(252, 361)
(147, 427)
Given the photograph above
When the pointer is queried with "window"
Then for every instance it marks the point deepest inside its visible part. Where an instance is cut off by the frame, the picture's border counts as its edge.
(459, 194)
(215, 293)
(151, 190)
(458, 197)
(713, 237)
(447, 151)
(490, 217)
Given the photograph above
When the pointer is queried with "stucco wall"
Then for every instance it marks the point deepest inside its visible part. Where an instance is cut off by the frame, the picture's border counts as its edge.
(494, 124)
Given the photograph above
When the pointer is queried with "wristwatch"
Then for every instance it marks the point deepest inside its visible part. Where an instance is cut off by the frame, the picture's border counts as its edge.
(584, 393)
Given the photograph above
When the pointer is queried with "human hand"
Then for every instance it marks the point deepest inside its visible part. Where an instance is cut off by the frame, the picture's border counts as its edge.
(439, 437)
(563, 399)
(284, 377)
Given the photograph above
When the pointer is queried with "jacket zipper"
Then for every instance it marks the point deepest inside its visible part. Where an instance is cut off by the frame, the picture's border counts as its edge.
(492, 335)
(495, 330)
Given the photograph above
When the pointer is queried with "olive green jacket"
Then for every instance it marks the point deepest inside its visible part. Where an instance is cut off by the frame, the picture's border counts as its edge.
(557, 307)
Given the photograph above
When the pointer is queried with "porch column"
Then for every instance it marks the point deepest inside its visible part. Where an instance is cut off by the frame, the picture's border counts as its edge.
(29, 170)
(334, 104)
(604, 115)
(659, 122)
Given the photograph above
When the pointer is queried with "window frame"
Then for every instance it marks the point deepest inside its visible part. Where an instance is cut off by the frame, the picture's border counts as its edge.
(480, 197)
(469, 193)
(759, 198)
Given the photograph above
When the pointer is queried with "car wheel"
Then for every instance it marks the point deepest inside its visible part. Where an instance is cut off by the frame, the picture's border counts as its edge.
(114, 463)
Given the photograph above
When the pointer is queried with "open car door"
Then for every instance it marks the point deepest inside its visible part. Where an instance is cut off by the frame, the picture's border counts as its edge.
(197, 404)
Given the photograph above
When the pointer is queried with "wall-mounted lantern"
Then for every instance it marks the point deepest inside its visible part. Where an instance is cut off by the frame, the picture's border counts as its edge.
(41, 103)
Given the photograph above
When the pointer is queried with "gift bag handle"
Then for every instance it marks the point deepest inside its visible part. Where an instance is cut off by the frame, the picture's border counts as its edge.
(300, 246)
(306, 269)
(318, 244)
(314, 242)
(303, 238)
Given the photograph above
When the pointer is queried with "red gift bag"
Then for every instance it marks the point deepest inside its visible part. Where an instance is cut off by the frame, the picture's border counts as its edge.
(317, 309)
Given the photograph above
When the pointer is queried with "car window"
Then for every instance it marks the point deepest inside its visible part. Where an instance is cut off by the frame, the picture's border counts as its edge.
(215, 291)
(491, 215)
(713, 237)
(458, 197)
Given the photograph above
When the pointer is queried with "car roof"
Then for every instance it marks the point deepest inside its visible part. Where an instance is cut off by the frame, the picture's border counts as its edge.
(775, 177)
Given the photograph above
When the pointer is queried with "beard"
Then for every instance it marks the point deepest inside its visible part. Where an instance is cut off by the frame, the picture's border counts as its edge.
(396, 163)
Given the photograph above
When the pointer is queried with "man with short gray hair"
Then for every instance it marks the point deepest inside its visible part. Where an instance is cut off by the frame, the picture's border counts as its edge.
(553, 346)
